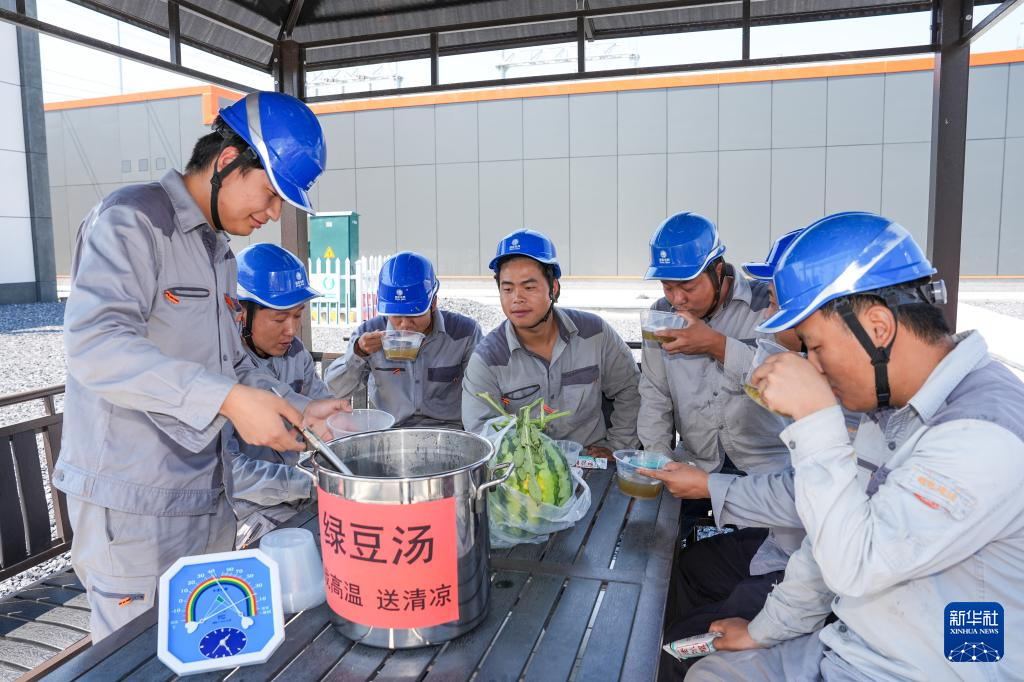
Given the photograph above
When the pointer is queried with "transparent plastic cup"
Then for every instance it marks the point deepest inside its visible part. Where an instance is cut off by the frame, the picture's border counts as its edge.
(571, 449)
(358, 421)
(654, 321)
(633, 483)
(765, 349)
(402, 345)
(302, 571)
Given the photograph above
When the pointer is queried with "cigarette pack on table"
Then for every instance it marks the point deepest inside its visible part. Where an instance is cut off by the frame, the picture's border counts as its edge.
(692, 647)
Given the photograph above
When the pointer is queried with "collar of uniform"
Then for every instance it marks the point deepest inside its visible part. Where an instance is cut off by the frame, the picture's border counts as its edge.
(970, 353)
(566, 328)
(186, 210)
(438, 324)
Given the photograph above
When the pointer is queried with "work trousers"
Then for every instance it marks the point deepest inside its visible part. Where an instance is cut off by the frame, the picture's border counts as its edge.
(119, 556)
(712, 581)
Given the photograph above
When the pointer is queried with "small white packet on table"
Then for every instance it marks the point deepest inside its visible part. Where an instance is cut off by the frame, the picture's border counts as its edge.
(692, 647)
(588, 462)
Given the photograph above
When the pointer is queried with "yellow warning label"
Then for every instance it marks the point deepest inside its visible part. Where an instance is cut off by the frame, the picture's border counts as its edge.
(329, 253)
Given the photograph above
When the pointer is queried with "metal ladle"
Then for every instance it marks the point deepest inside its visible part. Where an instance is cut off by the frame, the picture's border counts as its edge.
(319, 445)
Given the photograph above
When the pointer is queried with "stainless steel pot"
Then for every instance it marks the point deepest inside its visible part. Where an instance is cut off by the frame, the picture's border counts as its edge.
(409, 466)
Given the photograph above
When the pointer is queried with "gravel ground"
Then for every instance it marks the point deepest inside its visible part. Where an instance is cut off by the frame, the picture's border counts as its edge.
(31, 345)
(1011, 308)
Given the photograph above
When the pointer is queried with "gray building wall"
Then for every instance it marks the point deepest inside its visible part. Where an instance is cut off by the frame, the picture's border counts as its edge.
(598, 172)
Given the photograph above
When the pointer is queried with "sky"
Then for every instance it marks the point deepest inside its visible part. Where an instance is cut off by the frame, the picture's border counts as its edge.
(74, 72)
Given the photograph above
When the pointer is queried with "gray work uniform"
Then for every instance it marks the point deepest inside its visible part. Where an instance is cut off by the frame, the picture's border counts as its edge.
(151, 345)
(703, 400)
(589, 360)
(267, 485)
(420, 392)
(941, 520)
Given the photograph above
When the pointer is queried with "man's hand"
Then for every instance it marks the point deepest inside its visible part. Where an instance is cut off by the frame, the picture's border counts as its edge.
(792, 386)
(735, 635)
(682, 480)
(315, 416)
(697, 339)
(598, 451)
(259, 418)
(369, 343)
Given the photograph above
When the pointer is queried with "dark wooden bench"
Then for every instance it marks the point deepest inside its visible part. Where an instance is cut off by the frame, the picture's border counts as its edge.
(25, 537)
(51, 615)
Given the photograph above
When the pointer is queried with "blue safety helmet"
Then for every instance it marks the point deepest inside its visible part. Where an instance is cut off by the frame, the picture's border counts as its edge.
(287, 138)
(529, 243)
(682, 247)
(764, 271)
(407, 285)
(843, 254)
(272, 277)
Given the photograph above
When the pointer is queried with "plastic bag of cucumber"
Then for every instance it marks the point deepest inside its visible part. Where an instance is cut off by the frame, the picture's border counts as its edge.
(544, 494)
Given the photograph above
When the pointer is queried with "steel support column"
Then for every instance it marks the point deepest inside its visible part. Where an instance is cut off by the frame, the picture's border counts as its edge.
(746, 30)
(435, 59)
(949, 144)
(174, 32)
(291, 79)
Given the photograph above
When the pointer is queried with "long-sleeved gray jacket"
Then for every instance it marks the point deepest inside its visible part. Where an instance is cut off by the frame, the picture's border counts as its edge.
(421, 392)
(940, 521)
(703, 400)
(151, 345)
(589, 360)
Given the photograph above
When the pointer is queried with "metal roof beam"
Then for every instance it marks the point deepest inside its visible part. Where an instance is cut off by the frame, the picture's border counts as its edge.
(640, 71)
(1000, 12)
(520, 20)
(138, 22)
(294, 10)
(174, 32)
(221, 21)
(88, 41)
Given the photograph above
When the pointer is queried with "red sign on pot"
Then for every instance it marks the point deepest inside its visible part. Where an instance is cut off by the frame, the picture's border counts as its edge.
(390, 565)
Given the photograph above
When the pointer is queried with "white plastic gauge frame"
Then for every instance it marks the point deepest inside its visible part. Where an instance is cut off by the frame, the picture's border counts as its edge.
(165, 604)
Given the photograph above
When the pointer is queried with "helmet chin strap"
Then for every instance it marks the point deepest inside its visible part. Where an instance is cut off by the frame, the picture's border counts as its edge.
(879, 355)
(218, 178)
(717, 283)
(250, 314)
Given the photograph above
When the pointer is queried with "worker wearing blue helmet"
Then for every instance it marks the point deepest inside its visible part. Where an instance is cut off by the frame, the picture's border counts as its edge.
(692, 385)
(155, 363)
(424, 390)
(570, 358)
(273, 289)
(894, 556)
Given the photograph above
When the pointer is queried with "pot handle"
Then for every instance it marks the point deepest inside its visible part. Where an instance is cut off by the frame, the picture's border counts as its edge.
(509, 467)
(309, 467)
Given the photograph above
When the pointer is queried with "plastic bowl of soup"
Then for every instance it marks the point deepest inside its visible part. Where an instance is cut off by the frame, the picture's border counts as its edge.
(636, 484)
(402, 345)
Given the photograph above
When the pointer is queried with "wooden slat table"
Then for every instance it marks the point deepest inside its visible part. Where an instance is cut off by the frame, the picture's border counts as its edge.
(586, 605)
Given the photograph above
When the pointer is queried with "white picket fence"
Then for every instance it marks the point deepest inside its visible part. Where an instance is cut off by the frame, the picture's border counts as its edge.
(349, 290)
